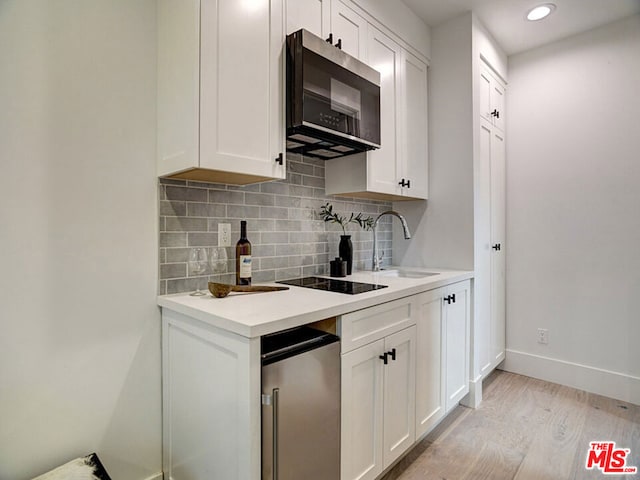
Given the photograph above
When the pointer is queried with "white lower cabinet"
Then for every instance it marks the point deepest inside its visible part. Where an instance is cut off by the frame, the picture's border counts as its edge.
(429, 362)
(455, 324)
(405, 364)
(442, 359)
(210, 401)
(378, 390)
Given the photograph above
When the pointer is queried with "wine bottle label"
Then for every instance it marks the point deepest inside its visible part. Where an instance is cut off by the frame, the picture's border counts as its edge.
(245, 266)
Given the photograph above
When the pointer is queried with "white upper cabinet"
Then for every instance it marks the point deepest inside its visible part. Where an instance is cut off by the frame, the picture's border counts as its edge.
(415, 157)
(332, 20)
(399, 169)
(220, 90)
(312, 15)
(384, 167)
(491, 97)
(349, 30)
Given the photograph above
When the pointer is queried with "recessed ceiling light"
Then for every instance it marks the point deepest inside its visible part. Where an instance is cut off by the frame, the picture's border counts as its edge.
(540, 12)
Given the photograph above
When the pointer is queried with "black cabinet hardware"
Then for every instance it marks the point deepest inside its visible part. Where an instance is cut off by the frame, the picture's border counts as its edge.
(450, 299)
(405, 183)
(392, 354)
(495, 113)
(330, 40)
(447, 299)
(496, 247)
(279, 159)
(453, 297)
(384, 357)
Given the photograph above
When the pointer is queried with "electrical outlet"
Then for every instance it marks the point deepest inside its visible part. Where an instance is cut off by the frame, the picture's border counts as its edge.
(224, 234)
(543, 336)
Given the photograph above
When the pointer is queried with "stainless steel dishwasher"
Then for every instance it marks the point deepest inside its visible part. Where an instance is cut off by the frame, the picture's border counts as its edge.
(301, 405)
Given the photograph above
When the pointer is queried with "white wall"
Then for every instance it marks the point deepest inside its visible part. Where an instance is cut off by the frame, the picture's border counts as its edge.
(80, 332)
(442, 227)
(573, 224)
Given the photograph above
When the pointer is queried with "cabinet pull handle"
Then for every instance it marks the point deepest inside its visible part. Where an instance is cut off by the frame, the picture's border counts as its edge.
(495, 113)
(330, 39)
(496, 247)
(447, 299)
(276, 395)
(408, 183)
(339, 44)
(404, 183)
(392, 353)
(279, 158)
(384, 357)
(453, 298)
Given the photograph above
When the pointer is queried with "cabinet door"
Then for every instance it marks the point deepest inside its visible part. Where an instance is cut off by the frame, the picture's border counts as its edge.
(350, 29)
(362, 410)
(491, 97)
(485, 93)
(429, 388)
(497, 238)
(241, 108)
(482, 267)
(399, 394)
(415, 161)
(497, 103)
(209, 387)
(312, 15)
(383, 164)
(456, 321)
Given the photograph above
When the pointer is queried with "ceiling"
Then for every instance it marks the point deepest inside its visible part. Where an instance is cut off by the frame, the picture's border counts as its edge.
(505, 19)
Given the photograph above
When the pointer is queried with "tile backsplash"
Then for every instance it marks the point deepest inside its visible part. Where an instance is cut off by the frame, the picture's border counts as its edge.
(288, 238)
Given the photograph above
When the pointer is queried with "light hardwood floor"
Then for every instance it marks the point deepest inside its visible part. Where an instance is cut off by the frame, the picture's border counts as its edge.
(525, 429)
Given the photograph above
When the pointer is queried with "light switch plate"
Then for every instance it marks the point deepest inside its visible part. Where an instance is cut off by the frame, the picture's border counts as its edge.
(224, 234)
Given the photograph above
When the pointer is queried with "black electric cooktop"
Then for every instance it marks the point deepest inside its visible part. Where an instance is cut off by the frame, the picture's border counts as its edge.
(333, 285)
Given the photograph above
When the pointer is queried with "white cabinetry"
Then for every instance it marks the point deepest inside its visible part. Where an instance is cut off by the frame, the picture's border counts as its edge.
(429, 362)
(489, 330)
(455, 321)
(398, 170)
(491, 97)
(332, 20)
(349, 30)
(378, 387)
(221, 119)
(442, 359)
(312, 15)
(415, 156)
(211, 401)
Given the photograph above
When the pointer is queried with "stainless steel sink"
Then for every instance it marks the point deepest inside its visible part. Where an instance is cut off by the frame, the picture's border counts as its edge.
(408, 273)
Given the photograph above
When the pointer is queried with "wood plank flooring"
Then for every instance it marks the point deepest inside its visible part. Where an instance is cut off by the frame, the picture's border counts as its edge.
(525, 429)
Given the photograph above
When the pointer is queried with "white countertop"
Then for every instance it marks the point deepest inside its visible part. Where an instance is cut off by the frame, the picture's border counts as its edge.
(256, 314)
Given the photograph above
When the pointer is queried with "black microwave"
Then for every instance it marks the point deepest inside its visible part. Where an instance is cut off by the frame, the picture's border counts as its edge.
(333, 100)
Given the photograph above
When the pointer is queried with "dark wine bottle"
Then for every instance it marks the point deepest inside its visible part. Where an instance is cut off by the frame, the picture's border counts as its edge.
(243, 257)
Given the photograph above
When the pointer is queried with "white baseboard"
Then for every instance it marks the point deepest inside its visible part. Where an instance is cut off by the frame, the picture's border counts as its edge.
(595, 380)
(157, 476)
